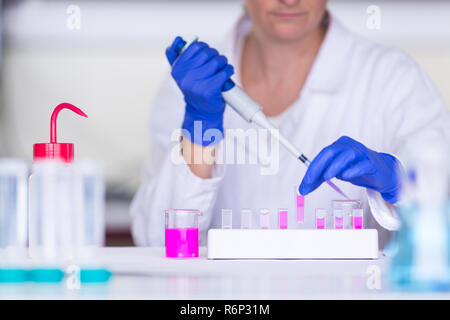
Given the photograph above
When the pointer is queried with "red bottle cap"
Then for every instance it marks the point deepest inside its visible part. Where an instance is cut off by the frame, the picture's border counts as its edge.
(56, 151)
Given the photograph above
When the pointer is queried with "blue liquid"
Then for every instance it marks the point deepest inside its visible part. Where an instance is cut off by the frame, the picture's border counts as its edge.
(402, 271)
(13, 275)
(46, 275)
(95, 275)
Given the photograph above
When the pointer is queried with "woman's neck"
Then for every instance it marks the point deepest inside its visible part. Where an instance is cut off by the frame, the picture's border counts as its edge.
(272, 60)
(274, 72)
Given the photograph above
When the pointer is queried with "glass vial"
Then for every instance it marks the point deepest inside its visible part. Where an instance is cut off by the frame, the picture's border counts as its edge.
(320, 218)
(283, 218)
(246, 218)
(227, 219)
(264, 219)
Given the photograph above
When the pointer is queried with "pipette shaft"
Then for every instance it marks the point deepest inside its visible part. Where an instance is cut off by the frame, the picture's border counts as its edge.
(260, 119)
(251, 111)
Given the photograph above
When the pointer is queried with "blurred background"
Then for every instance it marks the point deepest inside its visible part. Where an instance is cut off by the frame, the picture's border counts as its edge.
(107, 57)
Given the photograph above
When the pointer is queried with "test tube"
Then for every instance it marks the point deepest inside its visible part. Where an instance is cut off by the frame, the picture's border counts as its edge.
(246, 218)
(227, 219)
(13, 209)
(357, 218)
(283, 218)
(338, 218)
(264, 219)
(299, 205)
(320, 218)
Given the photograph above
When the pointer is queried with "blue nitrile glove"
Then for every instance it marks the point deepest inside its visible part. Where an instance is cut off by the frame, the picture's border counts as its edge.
(200, 73)
(351, 161)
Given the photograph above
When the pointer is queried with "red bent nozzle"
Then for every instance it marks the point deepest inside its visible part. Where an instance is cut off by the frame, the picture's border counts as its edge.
(55, 151)
(55, 113)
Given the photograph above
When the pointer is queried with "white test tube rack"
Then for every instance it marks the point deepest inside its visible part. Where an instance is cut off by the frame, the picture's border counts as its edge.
(292, 244)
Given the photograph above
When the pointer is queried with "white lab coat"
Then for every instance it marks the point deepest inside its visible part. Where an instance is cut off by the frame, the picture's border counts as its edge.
(374, 94)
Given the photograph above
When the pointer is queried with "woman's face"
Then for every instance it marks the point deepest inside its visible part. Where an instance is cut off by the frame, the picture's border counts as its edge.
(286, 20)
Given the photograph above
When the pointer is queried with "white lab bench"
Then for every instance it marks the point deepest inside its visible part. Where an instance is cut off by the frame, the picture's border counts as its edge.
(145, 273)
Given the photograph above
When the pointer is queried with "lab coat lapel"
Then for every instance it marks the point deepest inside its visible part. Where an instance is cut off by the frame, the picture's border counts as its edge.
(319, 91)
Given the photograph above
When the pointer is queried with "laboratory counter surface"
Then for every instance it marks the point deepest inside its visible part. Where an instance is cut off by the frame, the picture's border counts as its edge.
(145, 273)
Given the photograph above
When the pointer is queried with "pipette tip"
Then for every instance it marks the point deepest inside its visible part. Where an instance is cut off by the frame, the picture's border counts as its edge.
(335, 187)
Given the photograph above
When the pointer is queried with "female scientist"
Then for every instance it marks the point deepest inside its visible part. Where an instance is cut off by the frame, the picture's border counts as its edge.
(353, 104)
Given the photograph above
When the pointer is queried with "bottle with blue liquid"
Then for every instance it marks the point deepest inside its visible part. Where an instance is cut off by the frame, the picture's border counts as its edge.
(422, 245)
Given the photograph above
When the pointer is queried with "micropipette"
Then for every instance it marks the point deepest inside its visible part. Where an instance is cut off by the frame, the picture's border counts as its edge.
(251, 111)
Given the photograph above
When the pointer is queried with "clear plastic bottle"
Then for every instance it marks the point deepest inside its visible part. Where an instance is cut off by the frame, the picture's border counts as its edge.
(55, 209)
(66, 210)
(422, 246)
(13, 210)
(93, 207)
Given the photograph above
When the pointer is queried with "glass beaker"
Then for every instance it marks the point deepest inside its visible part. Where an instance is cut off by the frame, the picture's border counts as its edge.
(344, 209)
(181, 234)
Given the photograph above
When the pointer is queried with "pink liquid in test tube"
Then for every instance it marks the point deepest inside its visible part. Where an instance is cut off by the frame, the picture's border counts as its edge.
(357, 218)
(182, 243)
(339, 223)
(338, 219)
(300, 205)
(320, 223)
(320, 218)
(264, 219)
(246, 219)
(283, 218)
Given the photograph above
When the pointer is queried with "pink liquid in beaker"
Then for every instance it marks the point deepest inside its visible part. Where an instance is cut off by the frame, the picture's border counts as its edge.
(357, 222)
(182, 243)
(339, 223)
(320, 223)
